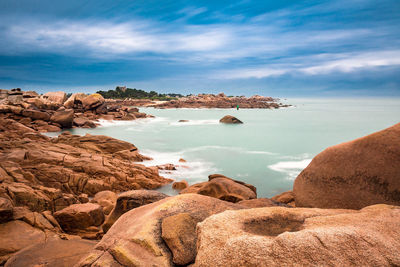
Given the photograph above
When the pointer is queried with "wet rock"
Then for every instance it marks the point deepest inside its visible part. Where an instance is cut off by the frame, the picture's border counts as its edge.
(230, 120)
(180, 185)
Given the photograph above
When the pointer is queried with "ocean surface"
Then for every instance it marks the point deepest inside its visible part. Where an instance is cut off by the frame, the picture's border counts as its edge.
(268, 150)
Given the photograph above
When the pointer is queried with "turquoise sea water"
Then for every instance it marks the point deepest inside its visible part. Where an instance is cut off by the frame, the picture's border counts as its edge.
(269, 150)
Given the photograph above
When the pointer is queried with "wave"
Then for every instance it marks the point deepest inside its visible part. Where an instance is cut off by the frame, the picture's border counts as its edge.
(193, 171)
(142, 121)
(195, 122)
(291, 168)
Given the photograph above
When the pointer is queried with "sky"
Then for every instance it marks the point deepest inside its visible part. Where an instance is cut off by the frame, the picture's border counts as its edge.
(280, 48)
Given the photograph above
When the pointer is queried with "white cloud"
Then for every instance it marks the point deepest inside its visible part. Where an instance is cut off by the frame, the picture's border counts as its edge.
(325, 64)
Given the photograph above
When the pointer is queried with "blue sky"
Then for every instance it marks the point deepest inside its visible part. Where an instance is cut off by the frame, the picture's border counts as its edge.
(277, 48)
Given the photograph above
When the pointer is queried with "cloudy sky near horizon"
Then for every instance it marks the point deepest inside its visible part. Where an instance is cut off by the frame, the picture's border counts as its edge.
(279, 48)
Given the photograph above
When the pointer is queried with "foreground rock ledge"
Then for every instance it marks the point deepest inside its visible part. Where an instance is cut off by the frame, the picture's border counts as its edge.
(353, 175)
(300, 237)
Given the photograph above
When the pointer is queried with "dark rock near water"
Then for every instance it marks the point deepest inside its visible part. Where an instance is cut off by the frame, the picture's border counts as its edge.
(230, 120)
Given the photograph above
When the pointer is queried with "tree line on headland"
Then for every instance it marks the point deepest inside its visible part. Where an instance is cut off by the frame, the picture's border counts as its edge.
(121, 92)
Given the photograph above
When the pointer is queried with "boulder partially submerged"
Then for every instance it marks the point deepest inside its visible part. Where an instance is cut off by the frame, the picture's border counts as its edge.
(230, 120)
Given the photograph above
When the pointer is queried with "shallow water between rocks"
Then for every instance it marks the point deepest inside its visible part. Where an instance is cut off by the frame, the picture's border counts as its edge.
(269, 150)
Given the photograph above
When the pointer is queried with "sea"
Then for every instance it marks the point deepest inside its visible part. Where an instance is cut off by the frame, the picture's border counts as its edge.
(268, 150)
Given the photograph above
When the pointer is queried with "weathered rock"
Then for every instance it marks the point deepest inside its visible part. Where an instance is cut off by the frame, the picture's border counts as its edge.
(135, 239)
(6, 210)
(63, 253)
(83, 122)
(24, 195)
(223, 188)
(180, 185)
(56, 97)
(92, 101)
(106, 199)
(230, 119)
(63, 117)
(79, 217)
(300, 237)
(179, 232)
(130, 200)
(258, 203)
(353, 175)
(286, 198)
(74, 99)
(30, 94)
(36, 115)
(16, 235)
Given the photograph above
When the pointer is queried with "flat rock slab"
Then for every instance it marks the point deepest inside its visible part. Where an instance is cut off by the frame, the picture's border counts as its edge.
(55, 253)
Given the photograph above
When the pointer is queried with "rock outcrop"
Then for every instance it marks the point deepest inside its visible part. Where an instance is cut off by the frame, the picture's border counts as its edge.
(81, 219)
(230, 120)
(224, 188)
(52, 253)
(63, 117)
(56, 97)
(136, 238)
(300, 237)
(130, 200)
(211, 101)
(353, 175)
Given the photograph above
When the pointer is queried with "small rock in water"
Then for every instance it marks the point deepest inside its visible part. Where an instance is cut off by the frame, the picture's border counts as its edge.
(183, 121)
(230, 119)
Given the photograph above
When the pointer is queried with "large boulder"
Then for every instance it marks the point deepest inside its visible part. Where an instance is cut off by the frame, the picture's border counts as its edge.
(353, 175)
(130, 200)
(62, 253)
(79, 218)
(135, 239)
(74, 99)
(92, 101)
(16, 235)
(56, 97)
(230, 120)
(36, 114)
(300, 237)
(223, 188)
(64, 117)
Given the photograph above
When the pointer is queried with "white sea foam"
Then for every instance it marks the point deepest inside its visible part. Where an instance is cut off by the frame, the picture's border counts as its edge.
(195, 123)
(142, 121)
(291, 168)
(193, 170)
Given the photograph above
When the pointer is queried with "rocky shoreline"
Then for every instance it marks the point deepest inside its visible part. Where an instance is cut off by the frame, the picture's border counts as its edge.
(88, 201)
(207, 101)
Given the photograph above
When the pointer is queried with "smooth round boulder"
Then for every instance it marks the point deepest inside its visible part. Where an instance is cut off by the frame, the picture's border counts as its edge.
(180, 185)
(353, 175)
(230, 120)
(92, 101)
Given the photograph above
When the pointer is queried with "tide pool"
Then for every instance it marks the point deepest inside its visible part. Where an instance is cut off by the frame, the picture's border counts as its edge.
(269, 150)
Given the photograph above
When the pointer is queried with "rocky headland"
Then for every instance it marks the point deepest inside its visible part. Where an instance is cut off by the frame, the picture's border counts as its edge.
(53, 111)
(88, 201)
(207, 101)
